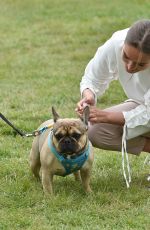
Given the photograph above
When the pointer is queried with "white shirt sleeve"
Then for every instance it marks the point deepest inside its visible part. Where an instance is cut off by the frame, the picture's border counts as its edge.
(101, 70)
(137, 120)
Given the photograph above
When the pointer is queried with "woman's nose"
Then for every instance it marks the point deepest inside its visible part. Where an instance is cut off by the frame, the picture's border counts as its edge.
(131, 66)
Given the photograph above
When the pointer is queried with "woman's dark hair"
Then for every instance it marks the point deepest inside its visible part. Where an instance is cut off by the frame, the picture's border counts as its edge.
(139, 36)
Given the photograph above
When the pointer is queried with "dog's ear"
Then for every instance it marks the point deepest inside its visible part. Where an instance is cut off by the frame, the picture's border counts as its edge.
(86, 113)
(55, 114)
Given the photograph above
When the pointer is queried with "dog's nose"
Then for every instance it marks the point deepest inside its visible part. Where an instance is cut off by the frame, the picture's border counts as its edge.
(67, 140)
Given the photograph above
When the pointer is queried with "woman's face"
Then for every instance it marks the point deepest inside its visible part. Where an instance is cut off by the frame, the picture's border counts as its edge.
(134, 59)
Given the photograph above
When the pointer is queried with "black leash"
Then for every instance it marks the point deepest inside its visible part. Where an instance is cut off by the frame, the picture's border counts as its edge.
(10, 124)
(20, 132)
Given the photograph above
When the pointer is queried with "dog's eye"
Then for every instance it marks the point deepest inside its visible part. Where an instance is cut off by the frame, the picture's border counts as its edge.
(58, 136)
(76, 135)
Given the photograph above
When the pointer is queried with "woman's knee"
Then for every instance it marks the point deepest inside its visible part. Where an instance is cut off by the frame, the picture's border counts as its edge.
(105, 136)
(147, 146)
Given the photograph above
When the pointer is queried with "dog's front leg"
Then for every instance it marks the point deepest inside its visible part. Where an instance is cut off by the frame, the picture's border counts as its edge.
(47, 180)
(85, 176)
(77, 176)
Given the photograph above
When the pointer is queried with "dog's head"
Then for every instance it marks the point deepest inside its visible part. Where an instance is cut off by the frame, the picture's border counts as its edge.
(69, 134)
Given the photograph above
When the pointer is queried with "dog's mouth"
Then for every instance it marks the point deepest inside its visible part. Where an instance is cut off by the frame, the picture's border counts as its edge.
(68, 146)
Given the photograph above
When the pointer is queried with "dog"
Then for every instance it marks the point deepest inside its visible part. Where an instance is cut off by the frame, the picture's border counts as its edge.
(62, 150)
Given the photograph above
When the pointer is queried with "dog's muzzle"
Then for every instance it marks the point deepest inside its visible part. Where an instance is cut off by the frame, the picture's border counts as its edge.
(68, 145)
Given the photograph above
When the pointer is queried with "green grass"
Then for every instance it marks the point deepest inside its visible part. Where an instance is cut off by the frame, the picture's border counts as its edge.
(44, 48)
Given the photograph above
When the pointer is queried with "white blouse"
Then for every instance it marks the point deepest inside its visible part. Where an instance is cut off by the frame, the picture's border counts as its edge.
(107, 65)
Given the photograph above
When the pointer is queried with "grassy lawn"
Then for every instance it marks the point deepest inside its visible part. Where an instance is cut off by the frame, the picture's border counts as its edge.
(44, 48)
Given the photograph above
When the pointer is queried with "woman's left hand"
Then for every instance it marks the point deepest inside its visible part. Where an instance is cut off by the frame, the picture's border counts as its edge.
(98, 115)
(102, 116)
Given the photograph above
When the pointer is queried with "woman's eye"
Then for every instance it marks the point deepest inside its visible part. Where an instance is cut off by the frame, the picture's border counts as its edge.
(124, 56)
(141, 65)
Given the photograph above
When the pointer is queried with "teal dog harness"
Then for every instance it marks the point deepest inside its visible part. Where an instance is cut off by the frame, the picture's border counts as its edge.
(73, 164)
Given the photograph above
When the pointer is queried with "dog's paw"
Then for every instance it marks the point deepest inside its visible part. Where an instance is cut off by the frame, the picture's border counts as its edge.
(88, 190)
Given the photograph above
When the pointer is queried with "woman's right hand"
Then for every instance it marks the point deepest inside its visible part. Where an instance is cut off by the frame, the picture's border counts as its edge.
(87, 99)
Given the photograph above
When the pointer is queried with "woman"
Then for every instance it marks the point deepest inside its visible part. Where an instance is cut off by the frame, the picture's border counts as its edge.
(126, 57)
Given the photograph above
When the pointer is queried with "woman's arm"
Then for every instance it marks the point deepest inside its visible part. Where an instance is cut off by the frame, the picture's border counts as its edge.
(101, 69)
(102, 116)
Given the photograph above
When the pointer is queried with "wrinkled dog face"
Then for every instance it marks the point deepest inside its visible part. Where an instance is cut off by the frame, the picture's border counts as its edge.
(69, 135)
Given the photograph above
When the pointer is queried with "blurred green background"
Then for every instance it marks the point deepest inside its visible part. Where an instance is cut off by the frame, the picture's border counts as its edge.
(45, 46)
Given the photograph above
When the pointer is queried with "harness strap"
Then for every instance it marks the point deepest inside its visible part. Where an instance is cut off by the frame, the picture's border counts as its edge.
(70, 165)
